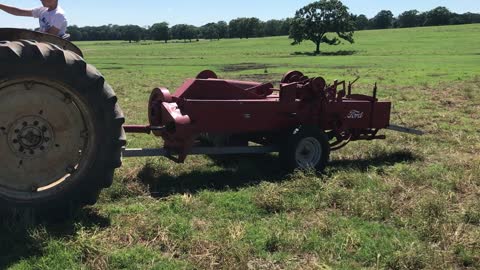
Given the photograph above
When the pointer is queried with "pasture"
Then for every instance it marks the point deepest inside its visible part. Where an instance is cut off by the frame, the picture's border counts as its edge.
(406, 202)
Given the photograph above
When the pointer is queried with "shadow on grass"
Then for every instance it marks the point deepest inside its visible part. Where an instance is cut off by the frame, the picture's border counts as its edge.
(337, 53)
(23, 237)
(236, 172)
(384, 159)
(247, 170)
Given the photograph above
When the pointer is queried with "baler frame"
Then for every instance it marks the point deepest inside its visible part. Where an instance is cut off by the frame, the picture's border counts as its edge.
(296, 93)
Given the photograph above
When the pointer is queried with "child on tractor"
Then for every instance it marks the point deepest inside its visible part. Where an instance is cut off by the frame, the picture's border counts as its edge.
(50, 15)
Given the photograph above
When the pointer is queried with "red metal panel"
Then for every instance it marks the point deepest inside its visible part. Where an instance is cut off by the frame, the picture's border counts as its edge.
(234, 116)
(358, 114)
(214, 89)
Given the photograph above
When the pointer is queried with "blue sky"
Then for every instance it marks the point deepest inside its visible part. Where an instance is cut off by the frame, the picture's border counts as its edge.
(147, 12)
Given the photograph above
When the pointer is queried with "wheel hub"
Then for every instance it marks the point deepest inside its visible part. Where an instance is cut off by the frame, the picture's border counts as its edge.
(308, 153)
(44, 136)
(30, 137)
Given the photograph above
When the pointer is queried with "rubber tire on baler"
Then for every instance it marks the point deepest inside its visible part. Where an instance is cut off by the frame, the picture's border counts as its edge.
(48, 63)
(293, 140)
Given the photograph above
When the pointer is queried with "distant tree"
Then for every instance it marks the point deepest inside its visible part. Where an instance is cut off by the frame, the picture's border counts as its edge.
(75, 33)
(438, 16)
(177, 31)
(210, 31)
(160, 31)
(422, 17)
(83, 36)
(131, 33)
(285, 29)
(192, 32)
(253, 28)
(222, 28)
(470, 17)
(314, 21)
(184, 32)
(383, 20)
(115, 31)
(245, 27)
(235, 27)
(395, 23)
(409, 19)
(361, 22)
(456, 19)
(144, 33)
(260, 30)
(273, 28)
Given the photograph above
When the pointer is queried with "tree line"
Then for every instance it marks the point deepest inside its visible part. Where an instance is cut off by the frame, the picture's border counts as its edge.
(237, 28)
(254, 27)
(413, 18)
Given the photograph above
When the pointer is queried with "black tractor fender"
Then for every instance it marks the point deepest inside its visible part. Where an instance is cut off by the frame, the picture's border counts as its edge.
(12, 34)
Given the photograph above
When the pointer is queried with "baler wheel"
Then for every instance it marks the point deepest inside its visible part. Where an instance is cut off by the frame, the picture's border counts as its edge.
(61, 130)
(207, 74)
(306, 148)
(292, 76)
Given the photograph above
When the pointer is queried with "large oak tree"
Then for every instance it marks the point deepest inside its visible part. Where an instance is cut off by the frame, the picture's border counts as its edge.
(314, 21)
(160, 31)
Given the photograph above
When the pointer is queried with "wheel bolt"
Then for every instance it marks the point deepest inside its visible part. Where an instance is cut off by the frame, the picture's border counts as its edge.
(17, 131)
(44, 128)
(24, 124)
(15, 141)
(42, 148)
(35, 123)
(46, 139)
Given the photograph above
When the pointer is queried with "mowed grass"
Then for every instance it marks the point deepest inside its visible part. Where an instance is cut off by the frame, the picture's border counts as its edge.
(407, 202)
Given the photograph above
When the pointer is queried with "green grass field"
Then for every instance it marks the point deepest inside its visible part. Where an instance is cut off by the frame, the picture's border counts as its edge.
(404, 203)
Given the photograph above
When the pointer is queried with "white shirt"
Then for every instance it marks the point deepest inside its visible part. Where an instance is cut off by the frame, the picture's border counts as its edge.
(54, 18)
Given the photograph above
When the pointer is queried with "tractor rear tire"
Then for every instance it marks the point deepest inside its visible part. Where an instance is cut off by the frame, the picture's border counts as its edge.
(306, 148)
(61, 131)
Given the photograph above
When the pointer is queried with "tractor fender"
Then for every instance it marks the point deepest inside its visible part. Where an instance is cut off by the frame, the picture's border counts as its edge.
(12, 34)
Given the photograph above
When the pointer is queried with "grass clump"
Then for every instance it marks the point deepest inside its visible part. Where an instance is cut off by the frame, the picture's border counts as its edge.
(469, 258)
(415, 257)
(269, 198)
(472, 214)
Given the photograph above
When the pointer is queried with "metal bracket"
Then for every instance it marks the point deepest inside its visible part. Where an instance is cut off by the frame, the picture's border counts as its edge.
(406, 130)
(162, 152)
